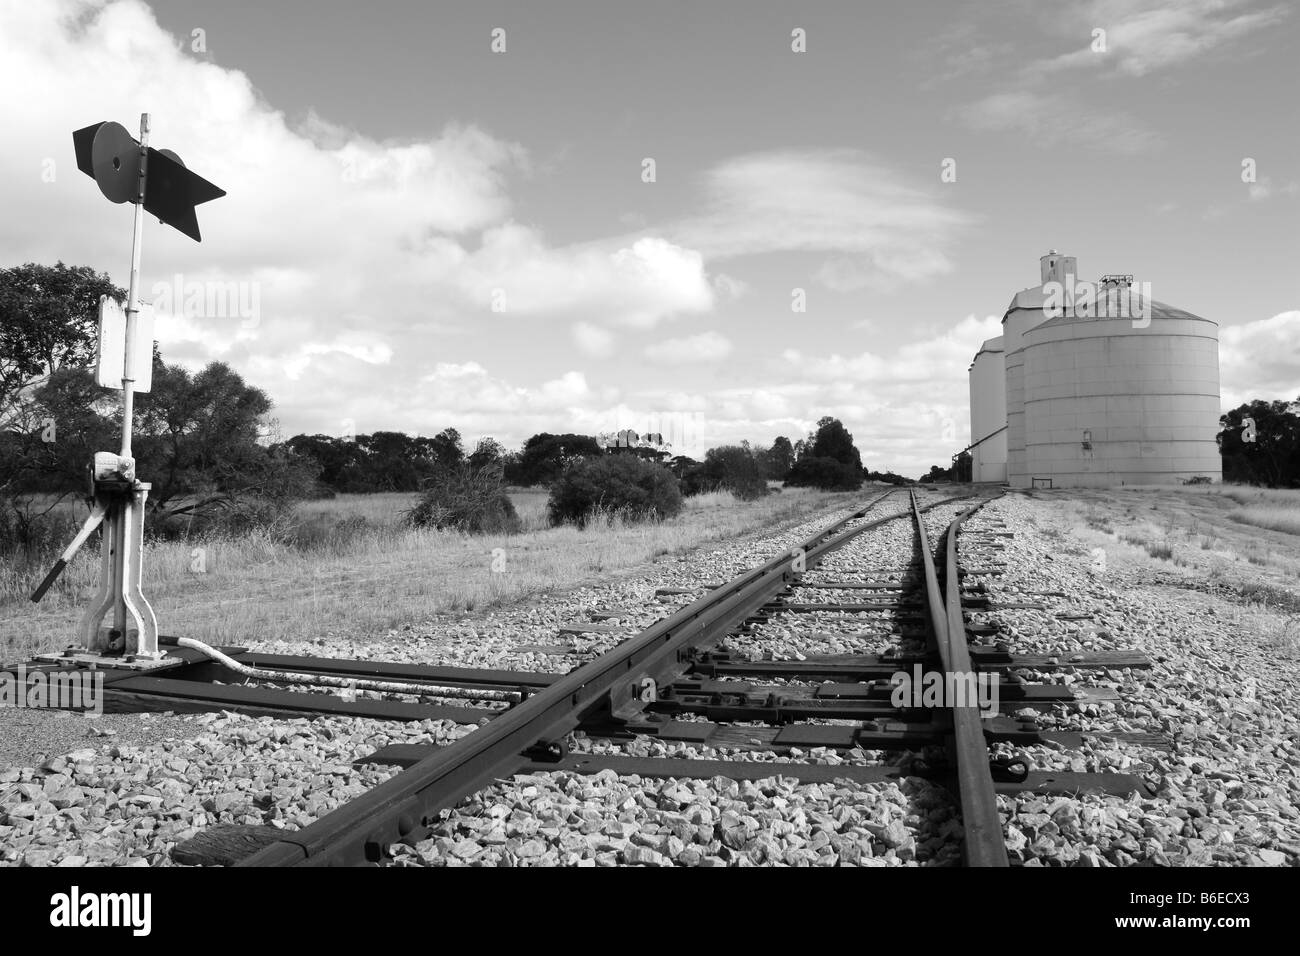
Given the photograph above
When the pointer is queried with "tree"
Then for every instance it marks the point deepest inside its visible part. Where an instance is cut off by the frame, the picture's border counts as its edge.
(446, 449)
(682, 465)
(48, 316)
(828, 474)
(466, 499)
(393, 461)
(644, 452)
(45, 457)
(487, 452)
(196, 441)
(887, 477)
(544, 457)
(339, 460)
(622, 485)
(1273, 457)
(779, 458)
(832, 440)
(731, 468)
(66, 421)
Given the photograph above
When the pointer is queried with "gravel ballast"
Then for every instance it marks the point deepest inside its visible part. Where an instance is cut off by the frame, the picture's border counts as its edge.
(122, 800)
(1226, 776)
(1210, 727)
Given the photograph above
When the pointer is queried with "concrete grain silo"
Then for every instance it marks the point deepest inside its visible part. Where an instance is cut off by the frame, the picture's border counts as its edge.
(988, 413)
(1103, 385)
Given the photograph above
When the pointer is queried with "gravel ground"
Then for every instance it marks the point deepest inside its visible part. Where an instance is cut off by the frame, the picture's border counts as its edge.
(1228, 787)
(1225, 782)
(128, 805)
(612, 820)
(29, 737)
(108, 789)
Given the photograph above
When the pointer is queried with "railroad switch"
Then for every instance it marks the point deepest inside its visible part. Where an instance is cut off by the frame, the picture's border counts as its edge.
(154, 180)
(131, 639)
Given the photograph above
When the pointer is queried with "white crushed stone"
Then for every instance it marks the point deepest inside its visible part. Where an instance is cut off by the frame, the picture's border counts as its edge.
(128, 805)
(1227, 791)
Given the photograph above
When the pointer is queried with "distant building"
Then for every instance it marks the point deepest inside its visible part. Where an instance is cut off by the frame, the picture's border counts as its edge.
(1094, 384)
(988, 413)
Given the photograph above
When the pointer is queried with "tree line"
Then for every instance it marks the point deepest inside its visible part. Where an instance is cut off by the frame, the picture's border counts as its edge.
(203, 438)
(395, 461)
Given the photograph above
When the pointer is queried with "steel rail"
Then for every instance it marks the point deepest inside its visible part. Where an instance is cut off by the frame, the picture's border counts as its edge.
(984, 844)
(406, 805)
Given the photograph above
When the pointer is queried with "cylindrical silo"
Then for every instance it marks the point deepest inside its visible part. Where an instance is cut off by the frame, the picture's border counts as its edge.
(1025, 311)
(1115, 399)
(988, 413)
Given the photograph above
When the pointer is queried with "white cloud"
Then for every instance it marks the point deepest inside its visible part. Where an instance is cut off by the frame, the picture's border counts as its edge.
(838, 202)
(1051, 119)
(466, 395)
(1149, 36)
(634, 284)
(729, 288)
(1267, 189)
(1141, 37)
(592, 340)
(941, 360)
(1260, 359)
(346, 238)
(706, 347)
(907, 407)
(370, 352)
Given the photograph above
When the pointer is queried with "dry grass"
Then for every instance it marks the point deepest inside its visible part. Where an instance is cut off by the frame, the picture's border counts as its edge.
(1277, 509)
(1274, 517)
(1234, 537)
(1283, 638)
(350, 566)
(1161, 550)
(1194, 525)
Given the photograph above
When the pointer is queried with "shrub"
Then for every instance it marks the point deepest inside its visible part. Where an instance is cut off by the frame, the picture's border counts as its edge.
(1161, 550)
(826, 474)
(729, 468)
(223, 517)
(624, 485)
(466, 499)
(330, 533)
(35, 535)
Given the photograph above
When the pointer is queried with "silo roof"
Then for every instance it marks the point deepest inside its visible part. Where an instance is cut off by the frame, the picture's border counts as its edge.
(989, 345)
(1034, 299)
(1159, 310)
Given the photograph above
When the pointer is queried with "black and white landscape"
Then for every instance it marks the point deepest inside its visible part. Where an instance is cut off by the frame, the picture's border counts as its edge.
(611, 435)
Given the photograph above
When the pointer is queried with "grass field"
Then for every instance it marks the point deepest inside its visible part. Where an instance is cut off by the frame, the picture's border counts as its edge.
(1247, 535)
(1227, 537)
(1275, 509)
(349, 566)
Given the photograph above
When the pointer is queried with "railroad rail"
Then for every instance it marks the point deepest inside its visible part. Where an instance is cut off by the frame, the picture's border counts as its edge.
(673, 669)
(674, 681)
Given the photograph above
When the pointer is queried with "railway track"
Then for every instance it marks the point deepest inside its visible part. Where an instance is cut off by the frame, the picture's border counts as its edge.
(800, 667)
(733, 675)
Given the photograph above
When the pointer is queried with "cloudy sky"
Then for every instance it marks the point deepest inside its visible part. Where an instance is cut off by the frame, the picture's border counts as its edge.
(425, 231)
